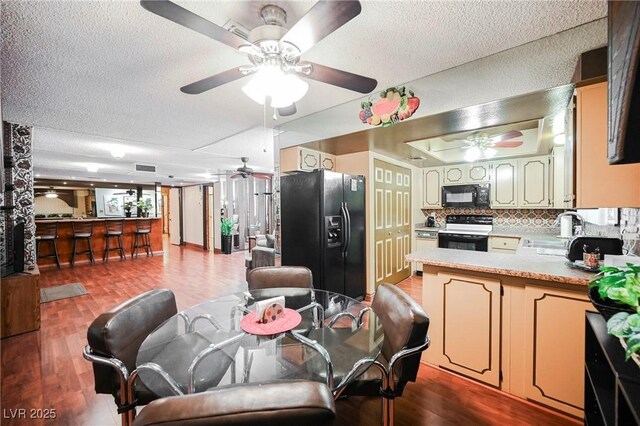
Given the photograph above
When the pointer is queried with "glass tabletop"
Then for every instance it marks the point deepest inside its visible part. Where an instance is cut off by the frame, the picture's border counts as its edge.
(204, 346)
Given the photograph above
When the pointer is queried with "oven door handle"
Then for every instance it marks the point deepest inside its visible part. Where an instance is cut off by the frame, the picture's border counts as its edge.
(465, 237)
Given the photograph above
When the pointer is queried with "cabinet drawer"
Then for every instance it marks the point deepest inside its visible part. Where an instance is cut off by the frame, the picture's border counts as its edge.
(504, 243)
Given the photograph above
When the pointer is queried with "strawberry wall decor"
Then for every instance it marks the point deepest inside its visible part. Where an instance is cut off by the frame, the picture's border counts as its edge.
(393, 106)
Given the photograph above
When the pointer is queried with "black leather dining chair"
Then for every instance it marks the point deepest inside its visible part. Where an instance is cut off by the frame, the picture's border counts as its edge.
(405, 325)
(115, 338)
(286, 403)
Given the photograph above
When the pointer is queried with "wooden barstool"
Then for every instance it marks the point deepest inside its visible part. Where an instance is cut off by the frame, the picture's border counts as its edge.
(82, 230)
(141, 237)
(47, 233)
(113, 229)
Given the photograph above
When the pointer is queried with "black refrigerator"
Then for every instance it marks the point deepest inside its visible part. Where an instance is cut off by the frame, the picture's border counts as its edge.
(323, 228)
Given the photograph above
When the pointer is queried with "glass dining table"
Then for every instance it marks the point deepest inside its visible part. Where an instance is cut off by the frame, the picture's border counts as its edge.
(205, 346)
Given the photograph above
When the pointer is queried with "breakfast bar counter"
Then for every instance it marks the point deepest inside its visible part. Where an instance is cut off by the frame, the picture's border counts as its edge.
(65, 239)
(552, 269)
(513, 321)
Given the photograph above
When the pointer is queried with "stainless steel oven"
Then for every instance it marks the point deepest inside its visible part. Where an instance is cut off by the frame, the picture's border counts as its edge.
(466, 232)
(477, 196)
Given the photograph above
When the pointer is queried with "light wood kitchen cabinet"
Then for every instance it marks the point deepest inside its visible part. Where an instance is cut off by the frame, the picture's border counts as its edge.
(533, 182)
(327, 161)
(554, 347)
(465, 315)
(422, 243)
(504, 188)
(432, 188)
(478, 173)
(599, 184)
(296, 159)
(455, 175)
(507, 245)
(20, 303)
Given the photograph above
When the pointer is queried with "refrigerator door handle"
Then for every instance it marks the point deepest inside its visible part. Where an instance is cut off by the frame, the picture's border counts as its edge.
(347, 230)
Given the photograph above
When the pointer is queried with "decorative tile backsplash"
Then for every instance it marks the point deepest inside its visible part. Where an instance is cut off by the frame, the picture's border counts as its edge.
(504, 217)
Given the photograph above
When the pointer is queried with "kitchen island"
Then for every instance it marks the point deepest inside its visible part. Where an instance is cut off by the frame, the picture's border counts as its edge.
(65, 239)
(512, 321)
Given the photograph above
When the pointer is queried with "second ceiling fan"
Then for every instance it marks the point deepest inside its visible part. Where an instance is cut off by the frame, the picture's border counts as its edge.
(273, 50)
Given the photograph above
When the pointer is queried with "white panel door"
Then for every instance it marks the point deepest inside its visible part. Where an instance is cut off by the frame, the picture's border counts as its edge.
(175, 234)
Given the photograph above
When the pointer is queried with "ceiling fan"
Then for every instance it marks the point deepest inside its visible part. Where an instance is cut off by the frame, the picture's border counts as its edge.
(481, 144)
(129, 192)
(274, 51)
(245, 171)
(49, 193)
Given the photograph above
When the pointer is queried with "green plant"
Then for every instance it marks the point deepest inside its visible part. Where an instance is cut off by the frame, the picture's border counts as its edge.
(144, 205)
(226, 227)
(53, 215)
(622, 285)
(67, 215)
(128, 206)
(40, 216)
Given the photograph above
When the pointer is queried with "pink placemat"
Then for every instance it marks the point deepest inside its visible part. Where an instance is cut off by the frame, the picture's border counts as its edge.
(290, 319)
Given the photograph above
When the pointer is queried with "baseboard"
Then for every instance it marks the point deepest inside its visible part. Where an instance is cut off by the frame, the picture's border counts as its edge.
(193, 245)
(217, 251)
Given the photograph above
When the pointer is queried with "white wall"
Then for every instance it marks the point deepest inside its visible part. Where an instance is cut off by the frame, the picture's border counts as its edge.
(44, 205)
(193, 217)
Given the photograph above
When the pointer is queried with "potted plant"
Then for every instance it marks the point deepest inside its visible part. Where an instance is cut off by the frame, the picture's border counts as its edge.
(40, 216)
(127, 208)
(226, 229)
(615, 292)
(144, 206)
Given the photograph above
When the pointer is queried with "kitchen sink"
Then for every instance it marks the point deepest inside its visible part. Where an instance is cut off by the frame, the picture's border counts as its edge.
(546, 247)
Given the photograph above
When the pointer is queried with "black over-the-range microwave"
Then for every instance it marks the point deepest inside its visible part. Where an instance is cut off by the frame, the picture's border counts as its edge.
(476, 195)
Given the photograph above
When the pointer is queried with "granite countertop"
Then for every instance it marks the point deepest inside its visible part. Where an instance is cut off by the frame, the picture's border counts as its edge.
(90, 219)
(534, 266)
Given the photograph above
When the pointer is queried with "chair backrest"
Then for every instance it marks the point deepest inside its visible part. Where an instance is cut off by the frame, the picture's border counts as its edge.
(280, 276)
(119, 333)
(143, 225)
(285, 403)
(47, 230)
(405, 325)
(263, 256)
(114, 225)
(82, 227)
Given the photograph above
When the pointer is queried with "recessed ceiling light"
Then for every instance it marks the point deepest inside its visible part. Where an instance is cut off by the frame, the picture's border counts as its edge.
(130, 181)
(104, 180)
(38, 175)
(92, 168)
(116, 186)
(73, 177)
(118, 152)
(91, 184)
(64, 183)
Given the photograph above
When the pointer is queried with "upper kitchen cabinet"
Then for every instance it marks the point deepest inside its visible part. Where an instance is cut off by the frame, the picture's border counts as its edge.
(504, 188)
(599, 184)
(432, 187)
(455, 175)
(533, 182)
(296, 159)
(478, 173)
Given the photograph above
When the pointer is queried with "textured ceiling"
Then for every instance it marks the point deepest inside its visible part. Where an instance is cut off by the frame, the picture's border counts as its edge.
(110, 69)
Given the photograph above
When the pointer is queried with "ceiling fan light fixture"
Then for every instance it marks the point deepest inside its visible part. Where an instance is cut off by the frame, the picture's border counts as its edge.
(472, 154)
(270, 81)
(490, 152)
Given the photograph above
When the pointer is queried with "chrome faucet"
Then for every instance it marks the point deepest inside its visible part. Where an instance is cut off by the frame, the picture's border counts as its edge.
(570, 213)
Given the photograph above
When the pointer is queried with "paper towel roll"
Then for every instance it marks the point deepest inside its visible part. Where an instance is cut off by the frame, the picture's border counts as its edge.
(566, 223)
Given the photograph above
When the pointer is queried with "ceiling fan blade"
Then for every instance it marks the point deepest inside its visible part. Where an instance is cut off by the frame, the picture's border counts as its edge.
(212, 82)
(238, 175)
(503, 137)
(507, 144)
(262, 175)
(288, 110)
(182, 16)
(343, 79)
(322, 19)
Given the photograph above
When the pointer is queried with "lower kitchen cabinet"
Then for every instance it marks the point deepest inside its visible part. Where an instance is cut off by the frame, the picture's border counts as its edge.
(554, 348)
(465, 333)
(525, 337)
(507, 245)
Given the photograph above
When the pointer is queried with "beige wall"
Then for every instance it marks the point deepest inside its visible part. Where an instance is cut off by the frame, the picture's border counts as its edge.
(44, 205)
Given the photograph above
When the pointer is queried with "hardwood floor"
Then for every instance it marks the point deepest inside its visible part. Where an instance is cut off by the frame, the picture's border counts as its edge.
(45, 369)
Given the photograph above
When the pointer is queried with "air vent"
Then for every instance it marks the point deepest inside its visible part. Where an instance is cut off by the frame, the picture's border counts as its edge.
(145, 168)
(237, 29)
